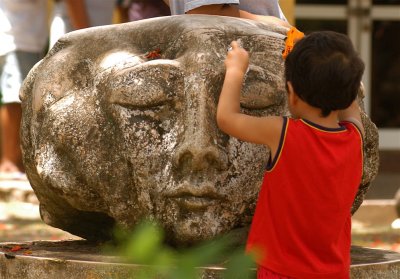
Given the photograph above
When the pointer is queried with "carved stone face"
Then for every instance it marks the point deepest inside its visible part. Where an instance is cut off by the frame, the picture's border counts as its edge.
(111, 136)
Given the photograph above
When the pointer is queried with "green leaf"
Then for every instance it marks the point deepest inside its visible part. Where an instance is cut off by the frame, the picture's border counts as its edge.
(240, 266)
(144, 244)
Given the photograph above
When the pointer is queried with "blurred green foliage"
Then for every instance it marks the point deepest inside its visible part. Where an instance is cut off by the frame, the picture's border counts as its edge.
(145, 247)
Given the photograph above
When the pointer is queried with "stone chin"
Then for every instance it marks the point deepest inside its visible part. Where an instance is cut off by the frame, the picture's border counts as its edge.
(189, 219)
(192, 227)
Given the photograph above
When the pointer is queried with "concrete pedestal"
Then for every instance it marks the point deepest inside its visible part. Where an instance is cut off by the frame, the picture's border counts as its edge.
(80, 259)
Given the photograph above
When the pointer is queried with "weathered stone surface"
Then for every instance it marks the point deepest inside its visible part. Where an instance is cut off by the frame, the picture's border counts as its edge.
(81, 259)
(110, 136)
(397, 199)
(371, 156)
(374, 263)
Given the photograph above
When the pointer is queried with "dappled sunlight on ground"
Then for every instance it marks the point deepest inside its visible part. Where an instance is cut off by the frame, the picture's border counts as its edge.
(21, 222)
(20, 217)
(385, 239)
(372, 225)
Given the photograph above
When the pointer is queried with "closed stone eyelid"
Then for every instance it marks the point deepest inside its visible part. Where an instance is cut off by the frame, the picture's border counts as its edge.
(157, 100)
(143, 106)
(125, 95)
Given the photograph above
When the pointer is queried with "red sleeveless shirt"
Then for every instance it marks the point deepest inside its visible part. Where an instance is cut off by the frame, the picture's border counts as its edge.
(302, 223)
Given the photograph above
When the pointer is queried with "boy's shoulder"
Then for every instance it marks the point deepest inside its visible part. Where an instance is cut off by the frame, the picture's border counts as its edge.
(309, 126)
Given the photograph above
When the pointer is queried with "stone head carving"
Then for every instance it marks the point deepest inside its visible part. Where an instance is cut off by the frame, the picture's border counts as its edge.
(119, 124)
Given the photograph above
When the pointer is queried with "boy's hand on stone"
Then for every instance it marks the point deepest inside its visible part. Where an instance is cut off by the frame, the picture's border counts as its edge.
(237, 58)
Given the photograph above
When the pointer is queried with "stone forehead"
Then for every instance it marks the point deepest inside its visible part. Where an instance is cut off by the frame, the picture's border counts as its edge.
(168, 29)
(190, 31)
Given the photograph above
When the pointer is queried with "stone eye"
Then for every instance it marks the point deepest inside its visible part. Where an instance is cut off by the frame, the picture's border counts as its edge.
(148, 86)
(259, 89)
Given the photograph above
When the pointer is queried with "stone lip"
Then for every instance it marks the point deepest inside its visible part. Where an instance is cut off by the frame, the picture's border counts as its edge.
(71, 250)
(369, 256)
(80, 258)
(83, 250)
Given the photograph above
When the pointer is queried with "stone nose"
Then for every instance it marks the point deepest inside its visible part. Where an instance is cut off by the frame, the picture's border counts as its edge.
(203, 143)
(198, 154)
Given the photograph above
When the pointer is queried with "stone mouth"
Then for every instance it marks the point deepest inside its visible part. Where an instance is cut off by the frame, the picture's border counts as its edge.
(195, 203)
(195, 197)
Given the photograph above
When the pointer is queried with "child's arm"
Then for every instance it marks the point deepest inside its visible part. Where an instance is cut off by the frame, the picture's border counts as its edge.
(233, 11)
(353, 114)
(264, 19)
(261, 130)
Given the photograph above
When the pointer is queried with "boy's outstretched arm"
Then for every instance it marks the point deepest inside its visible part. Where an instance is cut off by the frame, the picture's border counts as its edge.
(353, 114)
(261, 130)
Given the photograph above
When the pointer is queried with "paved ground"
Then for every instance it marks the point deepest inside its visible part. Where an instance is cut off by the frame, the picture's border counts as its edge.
(19, 215)
(20, 220)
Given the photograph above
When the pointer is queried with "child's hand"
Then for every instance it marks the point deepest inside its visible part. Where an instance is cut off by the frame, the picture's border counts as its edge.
(237, 58)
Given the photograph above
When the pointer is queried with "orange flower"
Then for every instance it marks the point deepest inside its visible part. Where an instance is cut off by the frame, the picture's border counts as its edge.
(154, 54)
(293, 35)
(15, 248)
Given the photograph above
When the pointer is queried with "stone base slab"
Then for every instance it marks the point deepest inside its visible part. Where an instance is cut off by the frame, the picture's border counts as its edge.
(81, 259)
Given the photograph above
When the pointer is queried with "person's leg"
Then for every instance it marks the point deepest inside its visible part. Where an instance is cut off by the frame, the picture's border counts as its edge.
(17, 66)
(11, 157)
(60, 22)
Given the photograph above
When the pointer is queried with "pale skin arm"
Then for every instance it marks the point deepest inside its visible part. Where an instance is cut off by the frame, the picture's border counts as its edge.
(233, 11)
(353, 114)
(260, 130)
(77, 13)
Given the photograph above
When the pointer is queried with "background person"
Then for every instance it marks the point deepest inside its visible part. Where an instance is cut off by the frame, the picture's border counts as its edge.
(132, 10)
(267, 11)
(69, 15)
(23, 37)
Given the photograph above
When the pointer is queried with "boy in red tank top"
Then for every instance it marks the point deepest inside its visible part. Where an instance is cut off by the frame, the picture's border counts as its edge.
(302, 223)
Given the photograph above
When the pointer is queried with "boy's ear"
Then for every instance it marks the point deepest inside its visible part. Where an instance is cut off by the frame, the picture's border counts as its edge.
(292, 95)
(290, 87)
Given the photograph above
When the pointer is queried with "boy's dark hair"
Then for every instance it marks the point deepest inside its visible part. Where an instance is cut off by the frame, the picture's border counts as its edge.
(325, 70)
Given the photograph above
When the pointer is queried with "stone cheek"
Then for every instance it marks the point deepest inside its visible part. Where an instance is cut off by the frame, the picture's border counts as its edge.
(371, 156)
(110, 136)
